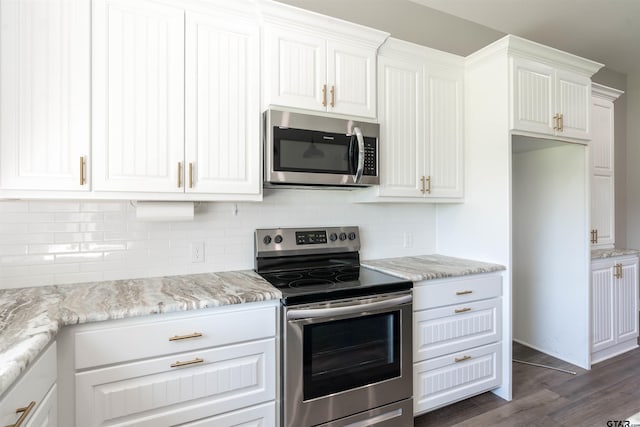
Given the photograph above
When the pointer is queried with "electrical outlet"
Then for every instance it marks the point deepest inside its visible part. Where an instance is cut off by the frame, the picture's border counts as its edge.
(197, 252)
(408, 240)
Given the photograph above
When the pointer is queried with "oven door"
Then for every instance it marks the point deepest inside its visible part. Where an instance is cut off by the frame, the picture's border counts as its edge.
(346, 357)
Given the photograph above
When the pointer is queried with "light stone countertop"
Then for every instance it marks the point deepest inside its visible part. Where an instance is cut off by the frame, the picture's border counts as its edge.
(610, 253)
(30, 318)
(430, 267)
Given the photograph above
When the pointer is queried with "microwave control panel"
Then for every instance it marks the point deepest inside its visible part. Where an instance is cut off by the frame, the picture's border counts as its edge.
(370, 163)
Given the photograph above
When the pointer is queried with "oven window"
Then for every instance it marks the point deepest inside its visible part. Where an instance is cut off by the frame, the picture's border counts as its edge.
(297, 150)
(350, 353)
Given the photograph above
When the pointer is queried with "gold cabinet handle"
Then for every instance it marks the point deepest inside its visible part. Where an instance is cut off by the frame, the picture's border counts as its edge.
(179, 174)
(596, 230)
(464, 292)
(593, 236)
(429, 184)
(324, 95)
(461, 359)
(24, 414)
(618, 271)
(188, 362)
(190, 175)
(83, 163)
(185, 337)
(462, 310)
(561, 122)
(422, 184)
(333, 96)
(556, 125)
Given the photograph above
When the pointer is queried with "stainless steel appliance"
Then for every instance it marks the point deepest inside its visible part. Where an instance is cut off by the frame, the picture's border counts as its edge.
(309, 150)
(346, 330)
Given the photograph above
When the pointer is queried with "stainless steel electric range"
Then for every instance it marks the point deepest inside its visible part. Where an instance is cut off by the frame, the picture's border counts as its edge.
(346, 330)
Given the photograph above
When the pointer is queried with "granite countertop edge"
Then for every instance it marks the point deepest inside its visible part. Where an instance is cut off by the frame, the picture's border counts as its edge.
(30, 318)
(431, 267)
(612, 253)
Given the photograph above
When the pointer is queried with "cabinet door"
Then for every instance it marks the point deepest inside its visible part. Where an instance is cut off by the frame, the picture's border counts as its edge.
(138, 96)
(45, 87)
(351, 77)
(601, 144)
(445, 132)
(532, 103)
(46, 414)
(255, 416)
(573, 101)
(297, 69)
(626, 307)
(602, 209)
(222, 105)
(401, 127)
(602, 300)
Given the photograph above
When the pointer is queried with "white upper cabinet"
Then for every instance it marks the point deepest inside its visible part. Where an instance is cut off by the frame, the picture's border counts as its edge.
(138, 96)
(45, 85)
(551, 91)
(222, 146)
(602, 167)
(318, 63)
(420, 107)
(176, 100)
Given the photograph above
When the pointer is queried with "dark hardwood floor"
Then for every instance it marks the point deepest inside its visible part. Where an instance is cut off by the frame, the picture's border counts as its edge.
(544, 397)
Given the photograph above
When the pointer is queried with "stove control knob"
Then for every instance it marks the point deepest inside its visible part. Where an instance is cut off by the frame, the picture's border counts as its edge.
(266, 240)
(333, 237)
(352, 236)
(343, 236)
(278, 239)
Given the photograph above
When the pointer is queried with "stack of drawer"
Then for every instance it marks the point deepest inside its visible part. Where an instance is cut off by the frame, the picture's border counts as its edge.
(457, 339)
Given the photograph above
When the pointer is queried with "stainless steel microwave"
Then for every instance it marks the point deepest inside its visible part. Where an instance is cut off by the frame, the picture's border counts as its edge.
(309, 150)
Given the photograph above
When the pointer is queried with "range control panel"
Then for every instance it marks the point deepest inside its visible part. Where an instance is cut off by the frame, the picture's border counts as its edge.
(281, 241)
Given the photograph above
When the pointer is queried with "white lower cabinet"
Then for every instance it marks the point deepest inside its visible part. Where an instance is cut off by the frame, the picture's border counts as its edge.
(614, 307)
(32, 401)
(457, 339)
(216, 368)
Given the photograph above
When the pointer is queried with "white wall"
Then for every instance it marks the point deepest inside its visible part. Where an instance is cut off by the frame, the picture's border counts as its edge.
(632, 161)
(47, 242)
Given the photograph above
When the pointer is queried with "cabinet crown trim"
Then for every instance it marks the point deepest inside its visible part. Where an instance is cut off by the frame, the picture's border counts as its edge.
(605, 92)
(517, 46)
(395, 48)
(304, 20)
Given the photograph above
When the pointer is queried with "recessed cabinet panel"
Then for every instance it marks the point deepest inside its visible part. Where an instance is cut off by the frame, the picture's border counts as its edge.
(602, 319)
(222, 105)
(351, 80)
(602, 136)
(627, 305)
(445, 132)
(574, 103)
(45, 85)
(400, 115)
(138, 96)
(533, 106)
(297, 75)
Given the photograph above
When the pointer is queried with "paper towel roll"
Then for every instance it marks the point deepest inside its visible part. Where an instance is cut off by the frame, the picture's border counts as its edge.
(164, 211)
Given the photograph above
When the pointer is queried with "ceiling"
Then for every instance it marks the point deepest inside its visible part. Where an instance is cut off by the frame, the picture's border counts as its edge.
(606, 31)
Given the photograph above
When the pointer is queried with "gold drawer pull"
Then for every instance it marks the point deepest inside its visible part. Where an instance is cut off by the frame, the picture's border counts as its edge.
(25, 413)
(188, 362)
(462, 310)
(461, 359)
(464, 292)
(185, 337)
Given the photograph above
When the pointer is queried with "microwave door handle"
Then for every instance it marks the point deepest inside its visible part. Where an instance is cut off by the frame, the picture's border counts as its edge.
(360, 167)
(314, 313)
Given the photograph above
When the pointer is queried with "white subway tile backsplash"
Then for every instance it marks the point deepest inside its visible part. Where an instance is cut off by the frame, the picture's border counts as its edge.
(54, 242)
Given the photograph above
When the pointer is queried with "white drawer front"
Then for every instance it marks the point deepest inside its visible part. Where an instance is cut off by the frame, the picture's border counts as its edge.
(256, 416)
(445, 330)
(151, 393)
(152, 338)
(442, 381)
(458, 291)
(32, 387)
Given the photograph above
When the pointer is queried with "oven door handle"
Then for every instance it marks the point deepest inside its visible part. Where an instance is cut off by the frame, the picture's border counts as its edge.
(360, 165)
(314, 313)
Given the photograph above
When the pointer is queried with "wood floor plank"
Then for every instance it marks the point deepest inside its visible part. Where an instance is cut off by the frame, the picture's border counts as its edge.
(609, 391)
